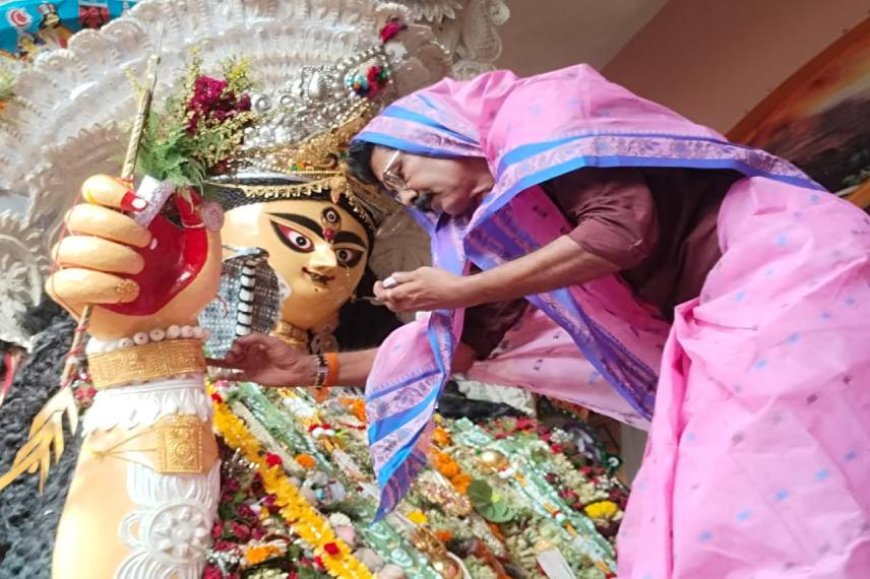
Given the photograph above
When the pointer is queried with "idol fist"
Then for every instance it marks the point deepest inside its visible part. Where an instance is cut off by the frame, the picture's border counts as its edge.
(137, 278)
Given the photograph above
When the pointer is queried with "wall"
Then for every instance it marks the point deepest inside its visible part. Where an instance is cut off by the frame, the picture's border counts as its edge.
(544, 35)
(714, 60)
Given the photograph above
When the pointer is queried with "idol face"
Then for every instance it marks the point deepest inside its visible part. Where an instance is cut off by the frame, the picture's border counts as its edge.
(317, 248)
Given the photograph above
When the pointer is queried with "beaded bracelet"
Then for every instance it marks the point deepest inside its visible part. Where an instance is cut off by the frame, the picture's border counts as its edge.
(327, 374)
(322, 371)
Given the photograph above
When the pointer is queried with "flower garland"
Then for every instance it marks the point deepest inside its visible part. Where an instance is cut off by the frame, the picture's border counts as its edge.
(304, 519)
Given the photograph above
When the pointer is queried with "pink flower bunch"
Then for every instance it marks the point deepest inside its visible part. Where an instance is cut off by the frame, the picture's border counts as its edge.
(212, 102)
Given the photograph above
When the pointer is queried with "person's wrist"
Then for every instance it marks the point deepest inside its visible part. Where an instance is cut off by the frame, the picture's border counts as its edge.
(472, 289)
(310, 369)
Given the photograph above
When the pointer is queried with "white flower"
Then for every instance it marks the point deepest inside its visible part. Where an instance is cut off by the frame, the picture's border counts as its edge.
(339, 520)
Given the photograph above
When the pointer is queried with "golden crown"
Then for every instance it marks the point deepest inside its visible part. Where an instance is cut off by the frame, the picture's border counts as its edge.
(296, 149)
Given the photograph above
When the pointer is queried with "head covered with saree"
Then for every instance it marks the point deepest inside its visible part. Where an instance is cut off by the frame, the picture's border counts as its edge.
(528, 130)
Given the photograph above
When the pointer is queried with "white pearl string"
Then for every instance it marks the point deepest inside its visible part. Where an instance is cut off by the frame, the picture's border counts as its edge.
(96, 346)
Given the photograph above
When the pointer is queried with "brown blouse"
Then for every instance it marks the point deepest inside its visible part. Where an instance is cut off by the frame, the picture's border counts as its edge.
(657, 224)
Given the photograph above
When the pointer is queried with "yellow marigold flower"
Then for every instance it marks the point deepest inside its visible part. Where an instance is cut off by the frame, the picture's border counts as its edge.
(306, 461)
(441, 436)
(450, 469)
(259, 553)
(358, 408)
(601, 510)
(417, 517)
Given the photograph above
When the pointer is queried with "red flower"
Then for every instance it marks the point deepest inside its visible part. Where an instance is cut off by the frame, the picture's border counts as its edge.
(212, 102)
(524, 423)
(245, 512)
(269, 501)
(212, 572)
(244, 103)
(392, 29)
(257, 533)
(332, 549)
(273, 459)
(224, 546)
(556, 448)
(230, 485)
(217, 398)
(206, 92)
(217, 530)
(256, 486)
(318, 562)
(241, 532)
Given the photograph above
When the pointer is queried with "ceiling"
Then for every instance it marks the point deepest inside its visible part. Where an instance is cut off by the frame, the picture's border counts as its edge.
(544, 35)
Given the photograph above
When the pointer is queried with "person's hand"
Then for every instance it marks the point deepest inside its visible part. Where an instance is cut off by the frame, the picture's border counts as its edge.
(424, 289)
(138, 279)
(268, 361)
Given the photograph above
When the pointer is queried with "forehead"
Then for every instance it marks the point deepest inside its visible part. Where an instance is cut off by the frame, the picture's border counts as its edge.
(313, 209)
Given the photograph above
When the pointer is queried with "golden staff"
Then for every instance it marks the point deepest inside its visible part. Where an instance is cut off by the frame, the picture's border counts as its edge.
(47, 427)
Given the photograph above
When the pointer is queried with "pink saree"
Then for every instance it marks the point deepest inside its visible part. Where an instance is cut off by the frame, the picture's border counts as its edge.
(759, 456)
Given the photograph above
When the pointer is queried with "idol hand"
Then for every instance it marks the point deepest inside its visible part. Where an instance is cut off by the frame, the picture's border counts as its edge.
(138, 279)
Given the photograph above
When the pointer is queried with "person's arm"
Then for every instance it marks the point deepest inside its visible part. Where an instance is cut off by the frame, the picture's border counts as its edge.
(353, 367)
(561, 263)
(615, 227)
(268, 361)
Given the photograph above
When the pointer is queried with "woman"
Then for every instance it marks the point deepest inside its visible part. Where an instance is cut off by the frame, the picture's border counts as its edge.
(614, 216)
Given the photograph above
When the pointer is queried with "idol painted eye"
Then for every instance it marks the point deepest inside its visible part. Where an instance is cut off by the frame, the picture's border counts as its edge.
(296, 240)
(348, 257)
(331, 216)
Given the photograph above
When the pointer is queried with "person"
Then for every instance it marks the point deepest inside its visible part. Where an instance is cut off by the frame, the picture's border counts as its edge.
(716, 289)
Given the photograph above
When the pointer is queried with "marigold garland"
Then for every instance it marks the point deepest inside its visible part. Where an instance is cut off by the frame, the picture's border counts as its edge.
(303, 518)
(259, 553)
(357, 407)
(450, 469)
(306, 461)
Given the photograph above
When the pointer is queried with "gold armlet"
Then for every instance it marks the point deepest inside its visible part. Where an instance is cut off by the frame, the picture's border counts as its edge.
(148, 362)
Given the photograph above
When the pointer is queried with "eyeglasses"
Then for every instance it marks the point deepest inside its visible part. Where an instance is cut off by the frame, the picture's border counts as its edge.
(393, 183)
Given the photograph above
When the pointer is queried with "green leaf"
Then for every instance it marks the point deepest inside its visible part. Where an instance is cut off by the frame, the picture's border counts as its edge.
(488, 504)
(479, 492)
(498, 512)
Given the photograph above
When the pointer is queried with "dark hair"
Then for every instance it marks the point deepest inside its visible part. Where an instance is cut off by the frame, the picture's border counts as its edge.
(359, 161)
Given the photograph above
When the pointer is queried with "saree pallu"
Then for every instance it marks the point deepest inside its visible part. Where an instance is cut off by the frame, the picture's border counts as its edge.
(758, 461)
